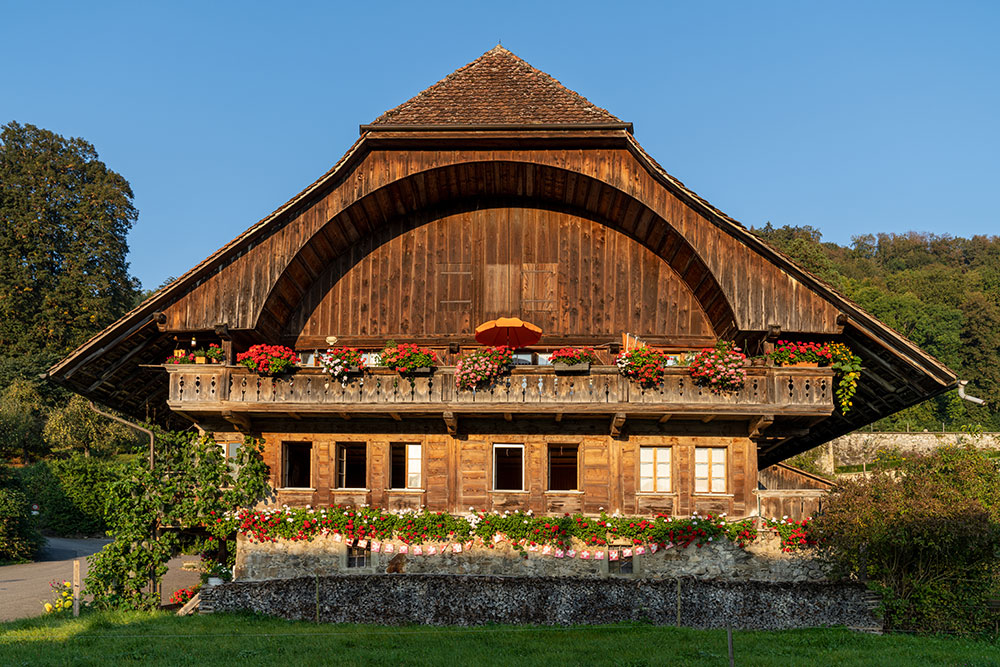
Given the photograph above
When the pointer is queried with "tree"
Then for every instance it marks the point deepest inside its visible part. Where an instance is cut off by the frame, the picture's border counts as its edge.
(63, 268)
(77, 428)
(22, 415)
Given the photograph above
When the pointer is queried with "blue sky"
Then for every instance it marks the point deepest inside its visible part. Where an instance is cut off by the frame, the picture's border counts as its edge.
(850, 117)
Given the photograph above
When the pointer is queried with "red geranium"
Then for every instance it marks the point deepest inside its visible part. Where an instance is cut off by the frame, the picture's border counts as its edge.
(268, 359)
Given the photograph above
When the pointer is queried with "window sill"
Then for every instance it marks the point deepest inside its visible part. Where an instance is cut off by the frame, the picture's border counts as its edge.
(567, 492)
(295, 488)
(710, 494)
(671, 494)
(350, 490)
(405, 490)
(509, 492)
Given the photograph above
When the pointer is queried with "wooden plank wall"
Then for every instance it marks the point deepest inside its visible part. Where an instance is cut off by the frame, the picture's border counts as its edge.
(567, 274)
(612, 184)
(458, 474)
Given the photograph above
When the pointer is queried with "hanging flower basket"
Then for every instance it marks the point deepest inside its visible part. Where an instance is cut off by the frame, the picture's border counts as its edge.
(409, 359)
(268, 359)
(483, 368)
(720, 368)
(836, 355)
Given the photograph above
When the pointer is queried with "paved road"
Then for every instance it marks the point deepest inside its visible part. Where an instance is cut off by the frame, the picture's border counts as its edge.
(23, 588)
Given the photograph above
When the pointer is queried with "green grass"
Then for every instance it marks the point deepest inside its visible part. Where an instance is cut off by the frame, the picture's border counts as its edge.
(165, 639)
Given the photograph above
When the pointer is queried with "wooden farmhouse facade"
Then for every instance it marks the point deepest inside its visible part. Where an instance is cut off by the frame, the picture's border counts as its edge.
(498, 192)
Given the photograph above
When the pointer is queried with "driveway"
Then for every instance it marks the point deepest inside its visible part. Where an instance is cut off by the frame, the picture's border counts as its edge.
(23, 588)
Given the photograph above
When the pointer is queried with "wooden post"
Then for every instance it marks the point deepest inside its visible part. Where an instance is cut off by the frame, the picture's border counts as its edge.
(76, 588)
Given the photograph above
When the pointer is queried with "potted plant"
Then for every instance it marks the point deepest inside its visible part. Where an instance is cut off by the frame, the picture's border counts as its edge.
(720, 368)
(642, 365)
(200, 356)
(408, 359)
(797, 353)
(573, 359)
(179, 359)
(848, 368)
(268, 359)
(215, 573)
(341, 361)
(482, 368)
(215, 354)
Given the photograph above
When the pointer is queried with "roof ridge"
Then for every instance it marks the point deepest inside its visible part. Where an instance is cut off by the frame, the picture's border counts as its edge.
(497, 88)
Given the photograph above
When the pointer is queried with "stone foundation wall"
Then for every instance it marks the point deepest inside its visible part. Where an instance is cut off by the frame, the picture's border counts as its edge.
(429, 599)
(761, 561)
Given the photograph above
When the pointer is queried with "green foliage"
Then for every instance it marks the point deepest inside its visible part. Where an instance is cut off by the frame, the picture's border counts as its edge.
(75, 427)
(63, 268)
(153, 515)
(72, 494)
(520, 528)
(927, 538)
(22, 415)
(19, 539)
(940, 291)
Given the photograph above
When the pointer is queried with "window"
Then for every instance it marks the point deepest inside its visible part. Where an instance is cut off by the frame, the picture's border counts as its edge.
(654, 469)
(404, 466)
(563, 467)
(358, 556)
(232, 449)
(297, 465)
(710, 470)
(352, 465)
(508, 467)
(621, 566)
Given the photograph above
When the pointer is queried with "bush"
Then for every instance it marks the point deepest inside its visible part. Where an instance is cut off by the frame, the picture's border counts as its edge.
(19, 540)
(926, 538)
(71, 494)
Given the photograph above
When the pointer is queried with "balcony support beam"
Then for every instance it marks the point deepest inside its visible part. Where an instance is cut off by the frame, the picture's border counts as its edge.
(451, 422)
(617, 424)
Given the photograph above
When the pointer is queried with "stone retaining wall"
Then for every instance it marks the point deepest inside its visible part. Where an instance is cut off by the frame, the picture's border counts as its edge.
(763, 560)
(440, 599)
(862, 447)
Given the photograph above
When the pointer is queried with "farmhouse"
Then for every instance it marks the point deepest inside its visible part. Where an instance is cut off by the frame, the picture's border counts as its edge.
(499, 193)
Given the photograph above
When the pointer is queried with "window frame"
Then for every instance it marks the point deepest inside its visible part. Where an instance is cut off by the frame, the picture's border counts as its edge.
(284, 465)
(406, 466)
(337, 445)
(670, 470)
(548, 469)
(724, 451)
(493, 465)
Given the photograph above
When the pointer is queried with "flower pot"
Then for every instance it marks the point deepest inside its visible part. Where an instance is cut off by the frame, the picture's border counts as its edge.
(423, 370)
(215, 581)
(179, 353)
(200, 360)
(805, 364)
(565, 369)
(354, 370)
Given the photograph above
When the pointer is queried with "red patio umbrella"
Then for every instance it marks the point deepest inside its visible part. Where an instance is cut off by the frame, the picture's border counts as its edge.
(510, 331)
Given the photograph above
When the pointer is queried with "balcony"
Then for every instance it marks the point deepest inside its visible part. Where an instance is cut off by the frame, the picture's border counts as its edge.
(205, 389)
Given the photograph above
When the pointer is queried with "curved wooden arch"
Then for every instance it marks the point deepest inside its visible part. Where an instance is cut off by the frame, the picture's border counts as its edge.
(535, 185)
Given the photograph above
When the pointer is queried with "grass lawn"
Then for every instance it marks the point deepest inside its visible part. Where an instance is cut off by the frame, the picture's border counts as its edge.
(165, 639)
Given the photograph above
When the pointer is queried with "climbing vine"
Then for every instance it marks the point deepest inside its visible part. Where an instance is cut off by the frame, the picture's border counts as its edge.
(155, 514)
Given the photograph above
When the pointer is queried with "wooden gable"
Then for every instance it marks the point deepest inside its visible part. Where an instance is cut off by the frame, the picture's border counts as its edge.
(500, 192)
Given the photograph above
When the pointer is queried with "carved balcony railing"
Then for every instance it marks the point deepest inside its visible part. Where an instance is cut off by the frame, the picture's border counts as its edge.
(527, 389)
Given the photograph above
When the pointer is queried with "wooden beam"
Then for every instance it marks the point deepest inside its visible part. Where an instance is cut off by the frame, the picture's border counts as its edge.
(758, 424)
(238, 419)
(121, 362)
(295, 415)
(508, 416)
(396, 416)
(617, 423)
(559, 417)
(345, 416)
(707, 418)
(665, 418)
(451, 422)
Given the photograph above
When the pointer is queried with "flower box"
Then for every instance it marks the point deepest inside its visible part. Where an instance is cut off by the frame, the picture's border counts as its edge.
(570, 369)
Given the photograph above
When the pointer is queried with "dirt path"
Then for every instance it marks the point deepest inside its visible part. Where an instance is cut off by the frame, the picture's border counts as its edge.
(23, 588)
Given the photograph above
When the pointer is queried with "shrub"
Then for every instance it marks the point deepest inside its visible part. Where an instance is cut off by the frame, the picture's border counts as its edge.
(71, 494)
(926, 538)
(19, 539)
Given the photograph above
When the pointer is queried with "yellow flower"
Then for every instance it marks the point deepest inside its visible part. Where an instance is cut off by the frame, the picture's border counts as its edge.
(48, 608)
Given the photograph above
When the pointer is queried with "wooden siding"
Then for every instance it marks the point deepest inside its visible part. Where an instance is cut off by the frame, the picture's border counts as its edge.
(444, 275)
(264, 285)
(458, 473)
